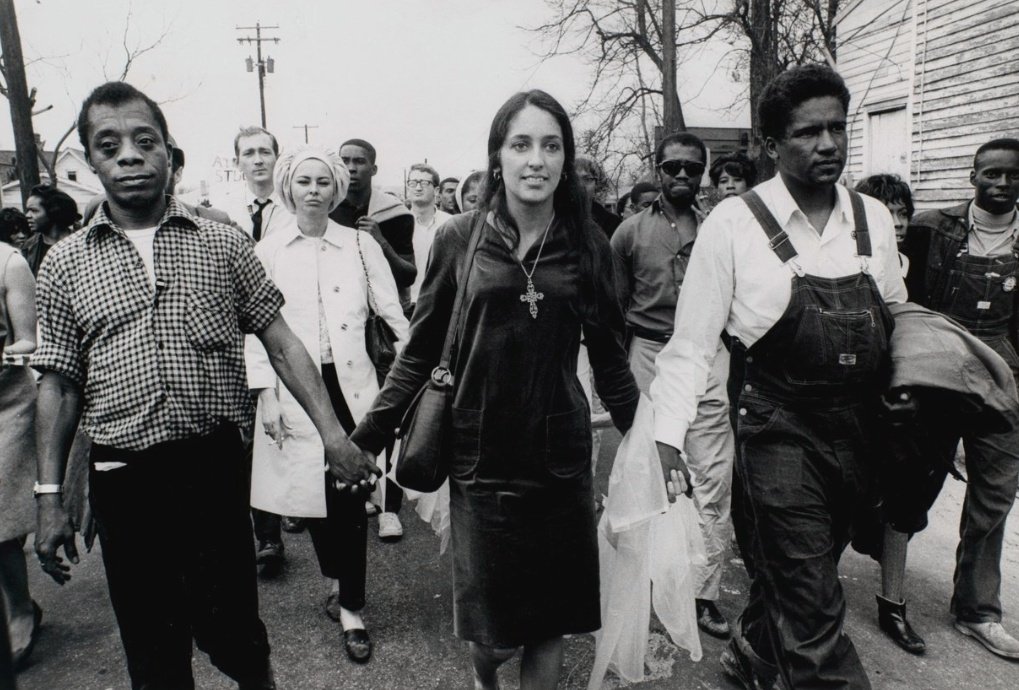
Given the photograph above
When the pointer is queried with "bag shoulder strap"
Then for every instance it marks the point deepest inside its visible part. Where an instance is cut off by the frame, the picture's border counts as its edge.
(372, 302)
(862, 232)
(778, 240)
(465, 270)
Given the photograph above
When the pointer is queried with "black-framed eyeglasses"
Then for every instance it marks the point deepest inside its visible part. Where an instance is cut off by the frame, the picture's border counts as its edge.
(420, 183)
(672, 167)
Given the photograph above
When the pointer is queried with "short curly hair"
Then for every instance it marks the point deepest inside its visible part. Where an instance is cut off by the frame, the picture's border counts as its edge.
(60, 208)
(787, 91)
(888, 189)
(735, 164)
(12, 221)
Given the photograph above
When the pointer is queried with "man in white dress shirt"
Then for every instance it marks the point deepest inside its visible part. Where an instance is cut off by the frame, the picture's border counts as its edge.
(262, 212)
(422, 188)
(798, 273)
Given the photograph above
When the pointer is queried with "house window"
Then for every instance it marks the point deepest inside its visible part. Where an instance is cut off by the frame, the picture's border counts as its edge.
(72, 175)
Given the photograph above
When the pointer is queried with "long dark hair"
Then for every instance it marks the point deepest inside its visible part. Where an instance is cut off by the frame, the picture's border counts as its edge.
(568, 200)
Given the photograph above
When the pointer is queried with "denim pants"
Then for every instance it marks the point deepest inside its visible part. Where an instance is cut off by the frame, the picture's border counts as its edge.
(801, 471)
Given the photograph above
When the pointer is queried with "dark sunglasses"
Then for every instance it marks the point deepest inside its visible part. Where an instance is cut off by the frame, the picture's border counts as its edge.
(672, 167)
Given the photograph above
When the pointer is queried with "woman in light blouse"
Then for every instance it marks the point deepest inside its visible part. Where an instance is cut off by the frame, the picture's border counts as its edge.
(329, 275)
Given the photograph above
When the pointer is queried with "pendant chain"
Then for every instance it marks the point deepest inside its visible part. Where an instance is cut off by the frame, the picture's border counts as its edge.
(531, 296)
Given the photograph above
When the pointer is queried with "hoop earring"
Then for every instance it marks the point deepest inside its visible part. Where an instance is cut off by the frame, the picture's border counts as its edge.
(564, 176)
(496, 174)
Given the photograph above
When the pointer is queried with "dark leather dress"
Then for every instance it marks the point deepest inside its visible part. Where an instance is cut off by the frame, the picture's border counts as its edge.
(525, 556)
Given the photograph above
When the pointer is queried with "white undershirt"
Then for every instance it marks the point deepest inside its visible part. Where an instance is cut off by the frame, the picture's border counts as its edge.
(143, 240)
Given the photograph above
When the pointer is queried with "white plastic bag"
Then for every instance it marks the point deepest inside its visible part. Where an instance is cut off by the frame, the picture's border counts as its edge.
(647, 549)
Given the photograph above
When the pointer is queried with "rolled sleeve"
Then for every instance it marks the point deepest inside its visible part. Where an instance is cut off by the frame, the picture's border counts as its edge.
(60, 338)
(258, 299)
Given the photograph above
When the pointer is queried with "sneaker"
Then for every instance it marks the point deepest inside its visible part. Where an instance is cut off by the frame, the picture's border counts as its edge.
(269, 558)
(711, 620)
(390, 528)
(991, 635)
(370, 508)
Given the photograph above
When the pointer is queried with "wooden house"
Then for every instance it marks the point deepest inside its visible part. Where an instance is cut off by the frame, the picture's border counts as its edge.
(931, 80)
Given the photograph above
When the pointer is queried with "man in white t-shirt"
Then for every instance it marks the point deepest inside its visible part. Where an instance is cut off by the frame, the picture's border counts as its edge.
(422, 187)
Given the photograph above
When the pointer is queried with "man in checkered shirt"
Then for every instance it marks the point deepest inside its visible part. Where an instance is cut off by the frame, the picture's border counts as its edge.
(142, 316)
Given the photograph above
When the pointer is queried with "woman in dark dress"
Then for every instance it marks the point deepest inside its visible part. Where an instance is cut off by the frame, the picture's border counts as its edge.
(525, 555)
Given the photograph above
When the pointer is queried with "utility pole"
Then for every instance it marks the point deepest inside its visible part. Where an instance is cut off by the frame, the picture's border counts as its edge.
(673, 120)
(267, 65)
(21, 102)
(305, 127)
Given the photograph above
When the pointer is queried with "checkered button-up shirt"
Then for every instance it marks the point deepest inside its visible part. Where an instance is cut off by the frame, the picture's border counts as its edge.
(156, 362)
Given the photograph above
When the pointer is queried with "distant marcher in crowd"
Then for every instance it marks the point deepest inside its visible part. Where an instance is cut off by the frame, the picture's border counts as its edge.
(895, 194)
(142, 316)
(447, 195)
(261, 212)
(525, 555)
(17, 449)
(964, 263)
(468, 192)
(592, 179)
(732, 174)
(421, 192)
(51, 215)
(378, 213)
(642, 195)
(14, 229)
(655, 246)
(317, 265)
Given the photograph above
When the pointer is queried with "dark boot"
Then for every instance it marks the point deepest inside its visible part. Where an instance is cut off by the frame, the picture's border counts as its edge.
(264, 679)
(892, 620)
(750, 673)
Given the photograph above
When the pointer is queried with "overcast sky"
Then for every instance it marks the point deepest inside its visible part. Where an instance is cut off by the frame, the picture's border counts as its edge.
(418, 78)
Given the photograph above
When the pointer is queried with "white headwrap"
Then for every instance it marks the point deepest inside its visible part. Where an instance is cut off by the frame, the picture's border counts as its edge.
(287, 164)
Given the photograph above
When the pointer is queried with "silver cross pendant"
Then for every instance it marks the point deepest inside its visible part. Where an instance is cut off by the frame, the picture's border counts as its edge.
(532, 297)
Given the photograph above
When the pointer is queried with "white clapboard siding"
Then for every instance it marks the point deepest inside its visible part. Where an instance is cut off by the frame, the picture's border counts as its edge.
(954, 66)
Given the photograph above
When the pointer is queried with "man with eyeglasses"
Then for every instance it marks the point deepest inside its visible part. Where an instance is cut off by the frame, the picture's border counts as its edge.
(655, 246)
(422, 185)
(965, 263)
(379, 213)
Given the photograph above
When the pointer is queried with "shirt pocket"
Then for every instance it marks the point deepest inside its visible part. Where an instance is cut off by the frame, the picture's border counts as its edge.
(836, 347)
(568, 443)
(209, 323)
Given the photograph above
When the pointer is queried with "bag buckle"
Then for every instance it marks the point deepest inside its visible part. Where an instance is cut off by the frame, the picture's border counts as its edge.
(442, 377)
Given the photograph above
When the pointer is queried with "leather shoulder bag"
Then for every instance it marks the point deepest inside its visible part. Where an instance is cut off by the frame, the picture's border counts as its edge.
(423, 461)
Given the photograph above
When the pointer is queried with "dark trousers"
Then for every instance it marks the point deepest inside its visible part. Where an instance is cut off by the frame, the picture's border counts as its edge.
(992, 474)
(202, 585)
(394, 494)
(341, 537)
(801, 476)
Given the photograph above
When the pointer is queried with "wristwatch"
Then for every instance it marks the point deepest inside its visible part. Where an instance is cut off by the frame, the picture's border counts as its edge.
(41, 489)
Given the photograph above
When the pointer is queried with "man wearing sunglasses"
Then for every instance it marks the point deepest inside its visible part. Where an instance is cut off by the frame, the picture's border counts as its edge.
(655, 246)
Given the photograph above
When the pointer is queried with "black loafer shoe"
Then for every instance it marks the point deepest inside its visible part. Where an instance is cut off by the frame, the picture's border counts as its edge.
(269, 558)
(293, 525)
(711, 620)
(891, 618)
(358, 645)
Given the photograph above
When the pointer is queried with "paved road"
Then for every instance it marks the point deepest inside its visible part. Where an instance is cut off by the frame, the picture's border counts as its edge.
(410, 618)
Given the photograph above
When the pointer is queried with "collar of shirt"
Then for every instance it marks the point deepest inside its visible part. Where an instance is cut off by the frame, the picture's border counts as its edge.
(333, 234)
(253, 201)
(786, 208)
(174, 211)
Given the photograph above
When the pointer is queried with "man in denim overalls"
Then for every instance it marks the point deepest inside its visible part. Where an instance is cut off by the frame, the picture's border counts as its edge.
(965, 264)
(797, 272)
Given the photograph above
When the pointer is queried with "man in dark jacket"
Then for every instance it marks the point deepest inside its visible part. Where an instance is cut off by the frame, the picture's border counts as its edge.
(964, 264)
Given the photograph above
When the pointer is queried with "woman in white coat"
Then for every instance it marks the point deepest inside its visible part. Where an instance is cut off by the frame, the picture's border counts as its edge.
(321, 266)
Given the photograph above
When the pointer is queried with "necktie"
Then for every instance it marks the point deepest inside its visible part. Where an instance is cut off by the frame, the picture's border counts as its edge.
(256, 218)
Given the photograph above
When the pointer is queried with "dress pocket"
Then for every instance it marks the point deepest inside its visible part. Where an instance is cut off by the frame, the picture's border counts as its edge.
(209, 320)
(568, 443)
(465, 445)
